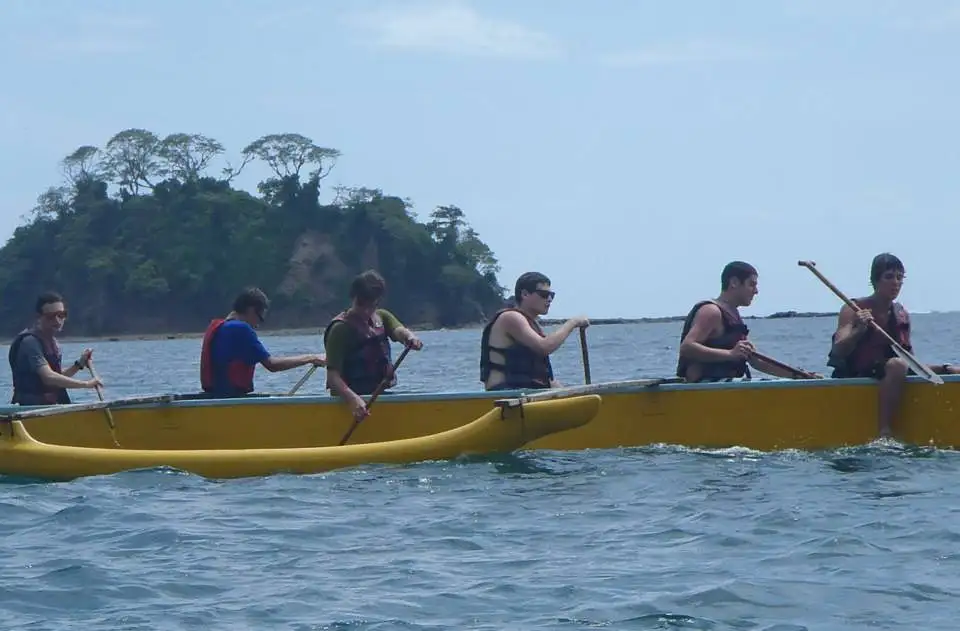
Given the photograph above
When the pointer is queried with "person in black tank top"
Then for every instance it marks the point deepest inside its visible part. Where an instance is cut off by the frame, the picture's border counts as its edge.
(514, 349)
(714, 342)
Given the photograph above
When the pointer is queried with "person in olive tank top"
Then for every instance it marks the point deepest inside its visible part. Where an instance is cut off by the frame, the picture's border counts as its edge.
(714, 342)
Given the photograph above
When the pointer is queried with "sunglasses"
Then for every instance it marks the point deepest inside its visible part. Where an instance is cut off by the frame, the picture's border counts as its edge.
(545, 294)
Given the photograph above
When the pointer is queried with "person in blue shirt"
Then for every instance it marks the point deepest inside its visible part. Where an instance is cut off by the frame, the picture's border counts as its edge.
(232, 349)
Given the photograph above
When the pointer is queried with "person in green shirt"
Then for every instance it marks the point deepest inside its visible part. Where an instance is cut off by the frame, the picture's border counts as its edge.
(357, 343)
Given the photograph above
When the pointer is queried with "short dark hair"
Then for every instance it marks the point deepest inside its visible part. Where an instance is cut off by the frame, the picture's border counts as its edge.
(736, 269)
(46, 298)
(528, 281)
(884, 263)
(368, 287)
(251, 297)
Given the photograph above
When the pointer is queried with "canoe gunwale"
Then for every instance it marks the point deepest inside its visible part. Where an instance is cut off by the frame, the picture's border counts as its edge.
(500, 398)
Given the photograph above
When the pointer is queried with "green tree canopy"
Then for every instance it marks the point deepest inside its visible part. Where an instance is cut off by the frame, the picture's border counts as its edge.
(141, 238)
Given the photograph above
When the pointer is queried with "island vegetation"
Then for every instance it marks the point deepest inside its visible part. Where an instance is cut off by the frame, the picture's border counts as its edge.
(141, 238)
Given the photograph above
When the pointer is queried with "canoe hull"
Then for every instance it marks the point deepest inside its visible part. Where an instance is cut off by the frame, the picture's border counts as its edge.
(763, 415)
(498, 430)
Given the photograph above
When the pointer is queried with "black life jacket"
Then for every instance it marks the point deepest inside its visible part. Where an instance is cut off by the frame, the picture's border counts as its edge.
(369, 358)
(28, 387)
(873, 347)
(734, 330)
(522, 367)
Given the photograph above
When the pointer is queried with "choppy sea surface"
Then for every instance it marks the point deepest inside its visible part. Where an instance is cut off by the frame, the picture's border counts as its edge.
(642, 538)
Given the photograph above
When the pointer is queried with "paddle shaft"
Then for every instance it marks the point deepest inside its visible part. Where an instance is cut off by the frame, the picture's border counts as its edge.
(586, 355)
(106, 411)
(303, 380)
(796, 371)
(375, 395)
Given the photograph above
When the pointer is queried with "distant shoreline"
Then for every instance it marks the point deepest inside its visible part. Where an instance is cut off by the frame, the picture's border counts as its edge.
(186, 335)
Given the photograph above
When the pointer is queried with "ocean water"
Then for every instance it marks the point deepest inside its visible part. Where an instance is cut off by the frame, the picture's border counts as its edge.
(643, 538)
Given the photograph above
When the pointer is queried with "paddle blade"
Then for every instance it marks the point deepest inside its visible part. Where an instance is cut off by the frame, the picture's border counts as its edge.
(922, 370)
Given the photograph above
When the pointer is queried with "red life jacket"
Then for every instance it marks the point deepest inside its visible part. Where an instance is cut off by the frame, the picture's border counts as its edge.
(522, 368)
(872, 347)
(368, 359)
(234, 378)
(734, 330)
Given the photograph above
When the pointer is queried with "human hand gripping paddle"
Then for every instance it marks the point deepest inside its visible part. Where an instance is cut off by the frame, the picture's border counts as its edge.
(376, 393)
(919, 368)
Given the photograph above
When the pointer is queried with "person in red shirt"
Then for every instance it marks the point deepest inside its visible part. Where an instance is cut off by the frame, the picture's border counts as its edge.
(232, 349)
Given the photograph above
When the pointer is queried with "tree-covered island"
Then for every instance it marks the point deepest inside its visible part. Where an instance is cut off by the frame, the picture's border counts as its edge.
(141, 238)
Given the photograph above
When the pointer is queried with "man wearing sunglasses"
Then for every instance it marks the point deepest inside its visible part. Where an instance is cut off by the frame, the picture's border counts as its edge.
(232, 349)
(514, 350)
(858, 350)
(36, 360)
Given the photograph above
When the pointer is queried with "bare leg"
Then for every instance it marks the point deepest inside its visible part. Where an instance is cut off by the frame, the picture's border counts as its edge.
(891, 387)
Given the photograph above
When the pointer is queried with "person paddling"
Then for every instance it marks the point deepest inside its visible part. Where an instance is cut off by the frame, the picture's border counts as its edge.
(714, 341)
(357, 343)
(857, 350)
(232, 349)
(514, 349)
(36, 359)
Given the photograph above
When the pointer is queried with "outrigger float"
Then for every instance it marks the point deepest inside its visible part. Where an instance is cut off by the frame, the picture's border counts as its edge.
(231, 438)
(301, 434)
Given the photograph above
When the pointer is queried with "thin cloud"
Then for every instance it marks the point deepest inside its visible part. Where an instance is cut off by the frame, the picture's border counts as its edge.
(453, 28)
(691, 52)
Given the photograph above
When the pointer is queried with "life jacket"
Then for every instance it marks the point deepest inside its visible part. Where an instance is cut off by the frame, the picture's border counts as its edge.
(368, 360)
(872, 347)
(28, 387)
(734, 330)
(235, 378)
(522, 367)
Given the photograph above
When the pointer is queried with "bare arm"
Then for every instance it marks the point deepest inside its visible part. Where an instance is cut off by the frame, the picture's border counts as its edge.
(849, 331)
(707, 320)
(517, 327)
(53, 379)
(278, 364)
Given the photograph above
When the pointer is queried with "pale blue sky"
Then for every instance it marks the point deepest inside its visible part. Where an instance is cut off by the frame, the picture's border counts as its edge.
(627, 149)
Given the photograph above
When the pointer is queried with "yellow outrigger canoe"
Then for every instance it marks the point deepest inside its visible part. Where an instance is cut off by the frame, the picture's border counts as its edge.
(66, 442)
(761, 414)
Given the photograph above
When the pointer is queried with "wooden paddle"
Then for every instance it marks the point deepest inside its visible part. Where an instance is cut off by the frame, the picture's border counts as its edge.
(106, 411)
(373, 397)
(586, 355)
(797, 372)
(919, 368)
(303, 380)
